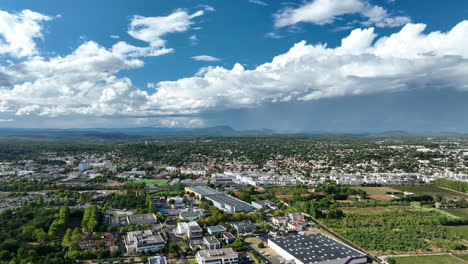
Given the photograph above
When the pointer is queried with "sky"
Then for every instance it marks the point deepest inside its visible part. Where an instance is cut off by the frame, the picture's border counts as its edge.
(287, 65)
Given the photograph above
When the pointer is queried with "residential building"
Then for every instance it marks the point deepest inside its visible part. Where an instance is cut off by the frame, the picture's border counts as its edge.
(279, 221)
(228, 237)
(294, 226)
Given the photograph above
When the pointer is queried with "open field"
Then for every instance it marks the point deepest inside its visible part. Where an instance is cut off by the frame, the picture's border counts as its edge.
(254, 241)
(377, 193)
(156, 182)
(429, 259)
(460, 212)
(431, 190)
(373, 210)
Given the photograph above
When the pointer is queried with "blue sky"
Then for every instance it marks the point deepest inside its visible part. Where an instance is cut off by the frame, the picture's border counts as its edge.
(315, 65)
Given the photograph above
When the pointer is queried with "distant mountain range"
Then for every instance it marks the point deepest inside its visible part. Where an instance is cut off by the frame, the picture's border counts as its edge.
(125, 133)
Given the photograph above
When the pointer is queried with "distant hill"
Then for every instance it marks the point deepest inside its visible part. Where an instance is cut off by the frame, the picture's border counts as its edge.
(124, 133)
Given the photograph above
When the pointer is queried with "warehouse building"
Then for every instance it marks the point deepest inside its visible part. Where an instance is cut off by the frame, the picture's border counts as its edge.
(221, 200)
(229, 204)
(201, 191)
(317, 249)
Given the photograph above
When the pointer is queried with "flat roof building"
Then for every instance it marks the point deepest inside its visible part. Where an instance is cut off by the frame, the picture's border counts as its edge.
(315, 248)
(221, 200)
(217, 256)
(157, 260)
(211, 242)
(229, 204)
(142, 219)
(201, 191)
(216, 229)
(190, 229)
(143, 242)
(190, 215)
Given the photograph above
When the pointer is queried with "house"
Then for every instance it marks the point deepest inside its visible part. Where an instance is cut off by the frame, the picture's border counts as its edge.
(279, 221)
(216, 229)
(217, 256)
(143, 242)
(294, 226)
(211, 242)
(228, 237)
(297, 217)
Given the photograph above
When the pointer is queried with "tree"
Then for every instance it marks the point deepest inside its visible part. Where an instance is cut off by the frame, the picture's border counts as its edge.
(261, 245)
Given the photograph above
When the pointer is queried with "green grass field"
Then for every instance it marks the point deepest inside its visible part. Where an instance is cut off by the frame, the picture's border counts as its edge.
(460, 212)
(377, 193)
(431, 190)
(433, 259)
(157, 182)
(376, 190)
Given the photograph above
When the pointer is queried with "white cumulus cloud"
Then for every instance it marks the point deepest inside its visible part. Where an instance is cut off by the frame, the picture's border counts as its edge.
(321, 12)
(18, 31)
(409, 59)
(151, 29)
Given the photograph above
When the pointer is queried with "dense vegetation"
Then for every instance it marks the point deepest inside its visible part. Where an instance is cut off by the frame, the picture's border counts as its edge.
(399, 229)
(454, 185)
